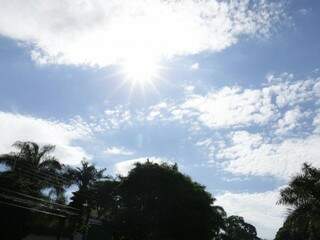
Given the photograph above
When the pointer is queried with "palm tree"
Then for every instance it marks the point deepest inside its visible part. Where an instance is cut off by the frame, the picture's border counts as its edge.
(86, 175)
(29, 170)
(32, 168)
(85, 178)
(303, 197)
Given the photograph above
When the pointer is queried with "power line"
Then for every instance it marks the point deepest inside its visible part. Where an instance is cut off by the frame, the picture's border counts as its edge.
(49, 181)
(33, 209)
(26, 169)
(30, 203)
(36, 175)
(38, 199)
(23, 165)
(28, 166)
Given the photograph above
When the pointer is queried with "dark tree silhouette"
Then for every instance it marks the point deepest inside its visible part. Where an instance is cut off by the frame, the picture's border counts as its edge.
(303, 197)
(104, 194)
(237, 229)
(158, 202)
(154, 202)
(85, 177)
(31, 168)
(28, 171)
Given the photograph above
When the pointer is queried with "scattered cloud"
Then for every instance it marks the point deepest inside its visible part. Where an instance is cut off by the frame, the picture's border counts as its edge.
(247, 131)
(102, 33)
(189, 89)
(304, 11)
(231, 106)
(290, 120)
(316, 123)
(254, 155)
(274, 125)
(116, 117)
(195, 66)
(285, 141)
(235, 106)
(14, 127)
(259, 209)
(156, 112)
(289, 92)
(122, 168)
(118, 151)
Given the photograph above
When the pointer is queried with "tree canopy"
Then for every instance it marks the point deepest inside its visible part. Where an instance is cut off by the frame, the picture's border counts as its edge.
(158, 202)
(154, 201)
(302, 195)
(235, 228)
(30, 171)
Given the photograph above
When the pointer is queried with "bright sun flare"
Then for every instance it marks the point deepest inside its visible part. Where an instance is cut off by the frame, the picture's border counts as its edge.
(141, 69)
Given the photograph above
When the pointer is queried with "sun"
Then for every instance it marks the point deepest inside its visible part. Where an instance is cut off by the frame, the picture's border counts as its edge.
(141, 69)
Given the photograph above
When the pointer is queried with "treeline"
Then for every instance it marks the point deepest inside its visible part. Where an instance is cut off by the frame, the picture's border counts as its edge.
(153, 202)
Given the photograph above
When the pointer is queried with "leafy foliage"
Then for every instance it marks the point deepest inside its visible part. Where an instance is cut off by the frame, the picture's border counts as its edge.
(29, 167)
(26, 168)
(303, 197)
(85, 177)
(154, 202)
(237, 229)
(158, 202)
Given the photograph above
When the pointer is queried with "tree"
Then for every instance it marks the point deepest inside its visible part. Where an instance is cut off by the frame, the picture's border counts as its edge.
(237, 229)
(303, 197)
(156, 201)
(104, 193)
(85, 177)
(29, 171)
(32, 168)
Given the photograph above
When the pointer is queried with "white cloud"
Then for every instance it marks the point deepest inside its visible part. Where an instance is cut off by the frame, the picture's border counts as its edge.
(316, 123)
(290, 120)
(208, 146)
(236, 106)
(283, 112)
(253, 156)
(251, 130)
(278, 102)
(189, 89)
(122, 168)
(195, 66)
(156, 111)
(304, 11)
(14, 127)
(101, 33)
(231, 107)
(259, 209)
(116, 118)
(118, 151)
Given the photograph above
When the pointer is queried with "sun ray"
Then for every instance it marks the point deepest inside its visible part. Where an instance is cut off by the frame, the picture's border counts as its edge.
(141, 70)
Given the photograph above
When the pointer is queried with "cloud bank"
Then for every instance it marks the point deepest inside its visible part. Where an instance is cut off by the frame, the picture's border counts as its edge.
(102, 33)
(259, 209)
(247, 131)
(17, 127)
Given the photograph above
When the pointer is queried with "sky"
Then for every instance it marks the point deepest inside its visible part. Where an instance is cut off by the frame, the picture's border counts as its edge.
(228, 90)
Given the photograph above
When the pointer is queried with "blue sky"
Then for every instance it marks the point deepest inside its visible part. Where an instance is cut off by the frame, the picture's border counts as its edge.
(228, 90)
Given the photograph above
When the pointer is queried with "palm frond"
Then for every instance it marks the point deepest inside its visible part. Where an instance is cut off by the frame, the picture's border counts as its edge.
(45, 150)
(50, 164)
(8, 160)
